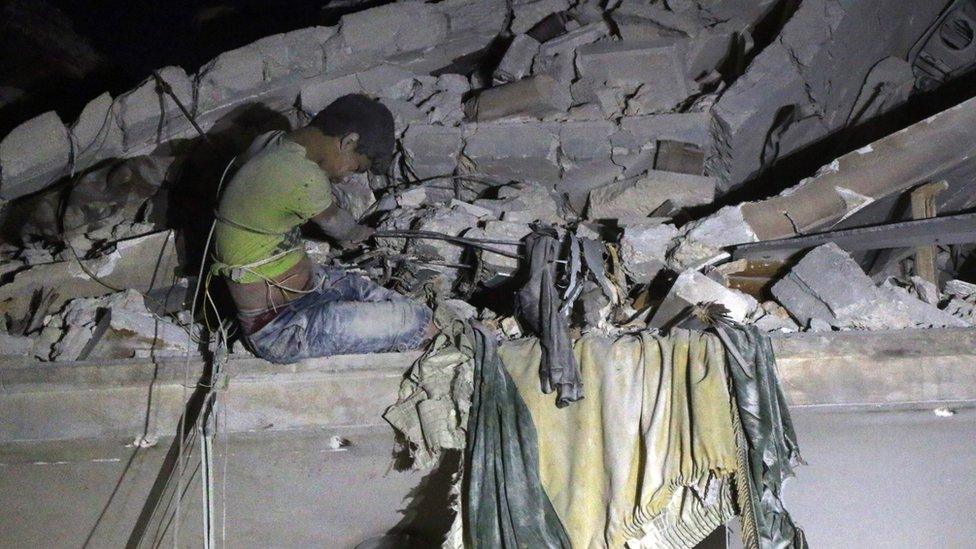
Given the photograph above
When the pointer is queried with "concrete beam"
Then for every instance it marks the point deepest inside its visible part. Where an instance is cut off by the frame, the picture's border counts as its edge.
(127, 398)
(891, 368)
(68, 400)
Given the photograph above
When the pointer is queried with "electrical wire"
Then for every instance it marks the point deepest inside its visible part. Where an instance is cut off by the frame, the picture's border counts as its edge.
(460, 240)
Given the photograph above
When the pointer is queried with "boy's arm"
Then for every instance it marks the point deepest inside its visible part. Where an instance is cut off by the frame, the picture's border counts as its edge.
(341, 226)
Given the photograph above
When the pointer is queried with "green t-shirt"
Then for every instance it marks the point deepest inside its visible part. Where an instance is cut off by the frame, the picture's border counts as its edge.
(262, 207)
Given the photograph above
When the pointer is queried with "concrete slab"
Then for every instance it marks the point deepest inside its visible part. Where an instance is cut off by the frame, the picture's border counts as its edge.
(894, 480)
(280, 490)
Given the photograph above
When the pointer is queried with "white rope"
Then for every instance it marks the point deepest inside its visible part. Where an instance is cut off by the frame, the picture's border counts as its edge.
(186, 371)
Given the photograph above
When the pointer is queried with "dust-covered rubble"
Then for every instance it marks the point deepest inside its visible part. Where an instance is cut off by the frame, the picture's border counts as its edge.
(626, 123)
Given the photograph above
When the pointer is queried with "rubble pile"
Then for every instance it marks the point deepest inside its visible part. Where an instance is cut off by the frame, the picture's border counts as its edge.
(623, 126)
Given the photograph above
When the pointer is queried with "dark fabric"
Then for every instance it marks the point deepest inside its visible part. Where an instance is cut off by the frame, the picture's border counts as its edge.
(772, 448)
(504, 504)
(539, 306)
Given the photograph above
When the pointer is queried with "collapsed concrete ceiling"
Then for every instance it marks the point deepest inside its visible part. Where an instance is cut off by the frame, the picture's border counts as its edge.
(631, 123)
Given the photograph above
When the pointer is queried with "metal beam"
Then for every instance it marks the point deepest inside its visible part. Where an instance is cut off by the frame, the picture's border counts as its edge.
(953, 229)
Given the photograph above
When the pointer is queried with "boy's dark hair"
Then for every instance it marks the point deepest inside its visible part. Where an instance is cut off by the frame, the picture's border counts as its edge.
(357, 113)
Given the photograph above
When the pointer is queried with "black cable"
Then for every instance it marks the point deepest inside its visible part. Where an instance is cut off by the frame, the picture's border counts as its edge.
(164, 86)
(475, 243)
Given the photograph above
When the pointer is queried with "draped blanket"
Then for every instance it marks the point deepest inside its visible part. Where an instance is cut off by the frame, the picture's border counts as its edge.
(649, 452)
(653, 457)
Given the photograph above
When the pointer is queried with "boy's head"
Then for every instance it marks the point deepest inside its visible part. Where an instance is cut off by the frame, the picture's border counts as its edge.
(359, 136)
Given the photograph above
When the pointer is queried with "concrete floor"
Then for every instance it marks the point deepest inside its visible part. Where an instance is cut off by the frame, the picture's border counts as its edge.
(892, 479)
(281, 490)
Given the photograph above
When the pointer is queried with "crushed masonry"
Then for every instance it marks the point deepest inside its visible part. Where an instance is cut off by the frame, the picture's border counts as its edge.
(645, 129)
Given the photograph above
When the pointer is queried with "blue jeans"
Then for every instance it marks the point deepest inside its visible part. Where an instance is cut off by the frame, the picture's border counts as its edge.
(345, 314)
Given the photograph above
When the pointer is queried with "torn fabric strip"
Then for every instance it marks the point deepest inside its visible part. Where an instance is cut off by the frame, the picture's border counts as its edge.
(504, 502)
(539, 305)
(773, 452)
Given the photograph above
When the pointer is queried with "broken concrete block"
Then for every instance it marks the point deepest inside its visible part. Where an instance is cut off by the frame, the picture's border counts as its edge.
(827, 284)
(652, 70)
(568, 43)
(14, 345)
(317, 95)
(961, 289)
(640, 197)
(577, 182)
(693, 288)
(707, 51)
(925, 290)
(477, 211)
(382, 81)
(517, 61)
(474, 16)
(432, 150)
(520, 152)
(774, 318)
(526, 15)
(804, 85)
(139, 263)
(444, 108)
(300, 52)
(533, 97)
(889, 84)
(668, 22)
(705, 238)
(398, 27)
(922, 314)
(503, 230)
(96, 133)
(146, 114)
(961, 308)
(523, 203)
(33, 155)
(644, 249)
(678, 157)
(114, 326)
(232, 72)
(586, 141)
(691, 127)
(412, 198)
(450, 222)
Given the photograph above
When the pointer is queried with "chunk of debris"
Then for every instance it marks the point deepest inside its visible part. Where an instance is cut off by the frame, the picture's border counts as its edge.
(640, 197)
(432, 150)
(451, 222)
(496, 268)
(828, 285)
(774, 318)
(114, 326)
(520, 152)
(792, 94)
(140, 263)
(533, 97)
(651, 73)
(693, 288)
(517, 61)
(354, 195)
(704, 239)
(30, 152)
(644, 248)
(526, 15)
(677, 157)
(525, 203)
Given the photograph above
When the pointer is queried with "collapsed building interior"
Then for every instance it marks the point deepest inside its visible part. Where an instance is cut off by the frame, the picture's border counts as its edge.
(805, 167)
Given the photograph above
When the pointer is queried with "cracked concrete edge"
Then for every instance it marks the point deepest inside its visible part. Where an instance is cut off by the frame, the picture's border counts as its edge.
(149, 133)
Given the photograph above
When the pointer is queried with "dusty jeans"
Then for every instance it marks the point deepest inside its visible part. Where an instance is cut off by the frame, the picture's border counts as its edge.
(345, 314)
